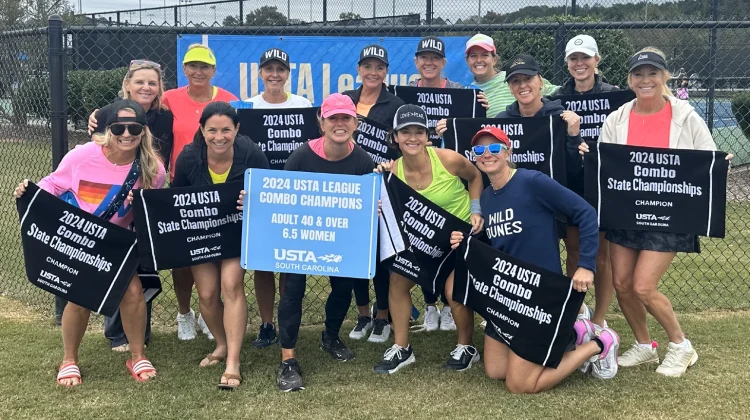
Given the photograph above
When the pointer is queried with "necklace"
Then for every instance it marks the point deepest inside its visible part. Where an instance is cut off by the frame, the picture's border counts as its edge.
(417, 183)
(510, 175)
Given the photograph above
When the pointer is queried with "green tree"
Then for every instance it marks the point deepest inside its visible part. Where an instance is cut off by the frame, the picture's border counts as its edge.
(266, 16)
(349, 16)
(230, 21)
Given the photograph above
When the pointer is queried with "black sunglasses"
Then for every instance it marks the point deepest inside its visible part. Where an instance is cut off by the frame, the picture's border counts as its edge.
(119, 129)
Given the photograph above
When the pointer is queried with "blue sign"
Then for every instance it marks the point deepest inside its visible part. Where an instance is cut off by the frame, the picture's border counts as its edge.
(310, 223)
(320, 65)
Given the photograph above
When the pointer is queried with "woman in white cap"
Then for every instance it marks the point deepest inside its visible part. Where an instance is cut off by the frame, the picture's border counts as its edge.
(274, 71)
(582, 57)
(438, 175)
(639, 258)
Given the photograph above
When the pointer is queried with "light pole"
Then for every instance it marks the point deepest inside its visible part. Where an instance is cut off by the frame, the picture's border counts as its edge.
(214, 7)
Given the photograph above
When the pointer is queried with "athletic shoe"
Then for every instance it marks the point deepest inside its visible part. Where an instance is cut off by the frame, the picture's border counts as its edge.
(395, 358)
(204, 328)
(483, 324)
(446, 319)
(186, 326)
(336, 348)
(637, 355)
(290, 376)
(364, 324)
(462, 357)
(585, 331)
(431, 319)
(679, 357)
(266, 336)
(586, 313)
(381, 330)
(605, 365)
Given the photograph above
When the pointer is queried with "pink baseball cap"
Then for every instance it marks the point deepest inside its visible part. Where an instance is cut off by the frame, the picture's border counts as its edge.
(338, 104)
(481, 40)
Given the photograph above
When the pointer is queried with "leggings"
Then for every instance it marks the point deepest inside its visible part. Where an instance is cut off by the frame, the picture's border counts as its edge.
(381, 281)
(290, 307)
(431, 298)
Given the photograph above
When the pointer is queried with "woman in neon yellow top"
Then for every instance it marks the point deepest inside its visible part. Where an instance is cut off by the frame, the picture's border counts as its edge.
(436, 174)
(218, 154)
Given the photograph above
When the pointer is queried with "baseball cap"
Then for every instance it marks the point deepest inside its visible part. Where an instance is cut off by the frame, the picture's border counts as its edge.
(521, 64)
(409, 114)
(200, 54)
(643, 58)
(481, 40)
(277, 55)
(582, 43)
(108, 114)
(337, 104)
(373, 51)
(431, 44)
(495, 132)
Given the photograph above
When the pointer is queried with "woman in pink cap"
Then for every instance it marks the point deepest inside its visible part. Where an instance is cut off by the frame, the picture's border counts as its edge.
(334, 153)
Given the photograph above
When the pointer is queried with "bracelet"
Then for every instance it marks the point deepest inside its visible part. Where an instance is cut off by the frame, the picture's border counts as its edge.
(475, 207)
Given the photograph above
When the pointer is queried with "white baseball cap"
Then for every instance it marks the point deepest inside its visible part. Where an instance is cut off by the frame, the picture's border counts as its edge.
(481, 40)
(583, 44)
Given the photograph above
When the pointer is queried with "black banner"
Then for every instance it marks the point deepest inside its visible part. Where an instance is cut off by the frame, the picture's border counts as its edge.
(74, 254)
(415, 234)
(531, 309)
(538, 142)
(666, 190)
(180, 227)
(441, 103)
(279, 131)
(372, 137)
(593, 109)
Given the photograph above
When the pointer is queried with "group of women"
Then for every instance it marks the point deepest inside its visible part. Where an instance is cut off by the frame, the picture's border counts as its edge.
(193, 132)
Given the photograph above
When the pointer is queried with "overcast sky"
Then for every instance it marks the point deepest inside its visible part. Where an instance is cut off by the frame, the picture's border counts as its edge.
(311, 10)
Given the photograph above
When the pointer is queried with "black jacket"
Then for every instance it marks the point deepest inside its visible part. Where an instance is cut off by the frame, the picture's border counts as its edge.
(574, 162)
(600, 86)
(159, 122)
(385, 107)
(191, 167)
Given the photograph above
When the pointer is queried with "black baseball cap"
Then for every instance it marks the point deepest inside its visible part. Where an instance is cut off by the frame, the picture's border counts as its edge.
(108, 114)
(275, 54)
(373, 51)
(644, 58)
(521, 64)
(409, 114)
(431, 44)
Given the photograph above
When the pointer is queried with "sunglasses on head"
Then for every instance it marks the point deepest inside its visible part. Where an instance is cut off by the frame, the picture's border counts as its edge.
(118, 129)
(144, 63)
(494, 149)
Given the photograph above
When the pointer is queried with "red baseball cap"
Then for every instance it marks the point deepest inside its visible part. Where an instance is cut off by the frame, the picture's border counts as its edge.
(338, 104)
(495, 132)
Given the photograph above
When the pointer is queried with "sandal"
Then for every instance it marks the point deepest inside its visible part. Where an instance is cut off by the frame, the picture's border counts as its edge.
(69, 370)
(213, 360)
(139, 367)
(229, 377)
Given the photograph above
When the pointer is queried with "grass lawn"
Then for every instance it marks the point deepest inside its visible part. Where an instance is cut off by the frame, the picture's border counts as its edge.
(718, 386)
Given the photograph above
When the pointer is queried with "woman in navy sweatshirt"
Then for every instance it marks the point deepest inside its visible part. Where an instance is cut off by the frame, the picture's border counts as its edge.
(534, 198)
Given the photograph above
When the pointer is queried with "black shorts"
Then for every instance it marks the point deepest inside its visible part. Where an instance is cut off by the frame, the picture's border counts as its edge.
(151, 283)
(491, 331)
(654, 241)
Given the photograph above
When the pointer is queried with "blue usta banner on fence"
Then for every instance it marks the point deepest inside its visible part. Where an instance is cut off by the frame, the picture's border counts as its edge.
(310, 223)
(320, 65)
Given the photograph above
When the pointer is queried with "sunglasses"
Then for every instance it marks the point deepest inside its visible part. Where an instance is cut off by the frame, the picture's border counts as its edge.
(145, 63)
(494, 149)
(119, 129)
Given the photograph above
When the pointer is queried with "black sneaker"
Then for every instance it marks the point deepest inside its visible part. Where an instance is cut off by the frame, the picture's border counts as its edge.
(290, 376)
(336, 348)
(462, 358)
(266, 336)
(395, 358)
(364, 324)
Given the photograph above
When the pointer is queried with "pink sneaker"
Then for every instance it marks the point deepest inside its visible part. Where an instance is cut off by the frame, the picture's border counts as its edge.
(584, 331)
(604, 365)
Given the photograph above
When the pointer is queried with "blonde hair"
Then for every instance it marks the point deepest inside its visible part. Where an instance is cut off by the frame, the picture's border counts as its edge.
(149, 157)
(124, 94)
(666, 75)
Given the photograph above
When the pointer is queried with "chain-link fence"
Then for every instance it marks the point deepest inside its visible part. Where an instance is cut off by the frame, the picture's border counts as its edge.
(706, 44)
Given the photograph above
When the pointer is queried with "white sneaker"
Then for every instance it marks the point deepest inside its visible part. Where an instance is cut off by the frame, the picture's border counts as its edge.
(186, 326)
(636, 355)
(483, 324)
(381, 330)
(679, 357)
(446, 319)
(204, 328)
(364, 324)
(431, 319)
(586, 313)
(605, 365)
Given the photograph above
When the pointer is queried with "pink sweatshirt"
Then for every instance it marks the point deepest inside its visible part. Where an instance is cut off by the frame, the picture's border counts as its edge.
(93, 181)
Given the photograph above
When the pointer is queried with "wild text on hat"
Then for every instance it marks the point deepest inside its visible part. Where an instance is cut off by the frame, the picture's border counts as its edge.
(275, 53)
(432, 43)
(374, 51)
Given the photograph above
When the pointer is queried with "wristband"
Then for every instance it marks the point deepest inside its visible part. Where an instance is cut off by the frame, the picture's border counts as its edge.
(475, 207)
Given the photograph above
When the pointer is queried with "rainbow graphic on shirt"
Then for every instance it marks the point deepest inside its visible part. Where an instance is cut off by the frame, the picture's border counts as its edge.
(101, 195)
